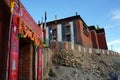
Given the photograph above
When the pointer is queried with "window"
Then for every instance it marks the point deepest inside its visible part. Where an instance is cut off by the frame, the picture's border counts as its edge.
(68, 38)
(85, 31)
(54, 34)
(68, 33)
(67, 29)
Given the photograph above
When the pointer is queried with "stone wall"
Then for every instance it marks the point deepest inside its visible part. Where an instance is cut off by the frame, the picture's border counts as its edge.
(71, 46)
(47, 60)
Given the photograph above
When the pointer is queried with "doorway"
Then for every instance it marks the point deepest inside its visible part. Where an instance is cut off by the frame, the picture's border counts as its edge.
(26, 62)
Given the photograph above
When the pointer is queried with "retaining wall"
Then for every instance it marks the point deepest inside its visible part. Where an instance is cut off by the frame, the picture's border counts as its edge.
(71, 46)
(48, 53)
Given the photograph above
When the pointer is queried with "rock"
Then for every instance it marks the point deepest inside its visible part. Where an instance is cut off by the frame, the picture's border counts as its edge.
(86, 67)
(66, 58)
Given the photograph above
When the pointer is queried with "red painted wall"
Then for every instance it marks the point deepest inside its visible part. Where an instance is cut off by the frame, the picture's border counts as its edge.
(86, 39)
(94, 39)
(102, 41)
(79, 35)
(82, 38)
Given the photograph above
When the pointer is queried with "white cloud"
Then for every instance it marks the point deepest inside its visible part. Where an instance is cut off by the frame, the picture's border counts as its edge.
(114, 42)
(114, 45)
(115, 17)
(116, 14)
(108, 26)
(113, 27)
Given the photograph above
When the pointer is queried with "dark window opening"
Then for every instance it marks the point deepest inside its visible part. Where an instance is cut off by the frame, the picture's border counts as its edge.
(85, 31)
(68, 30)
(68, 33)
(68, 38)
(54, 34)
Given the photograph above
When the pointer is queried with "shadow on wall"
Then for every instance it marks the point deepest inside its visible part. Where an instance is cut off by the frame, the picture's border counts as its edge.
(4, 31)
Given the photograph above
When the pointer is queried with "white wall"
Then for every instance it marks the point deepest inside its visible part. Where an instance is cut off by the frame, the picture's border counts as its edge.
(72, 32)
(59, 32)
(47, 36)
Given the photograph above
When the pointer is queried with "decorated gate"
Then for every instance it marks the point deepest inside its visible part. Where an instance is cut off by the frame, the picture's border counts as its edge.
(23, 27)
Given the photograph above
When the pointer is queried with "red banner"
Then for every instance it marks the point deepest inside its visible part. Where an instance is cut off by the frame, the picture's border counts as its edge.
(13, 73)
(40, 64)
(14, 47)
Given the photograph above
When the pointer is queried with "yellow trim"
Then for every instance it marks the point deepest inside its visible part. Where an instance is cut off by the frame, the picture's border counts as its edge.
(12, 4)
(44, 45)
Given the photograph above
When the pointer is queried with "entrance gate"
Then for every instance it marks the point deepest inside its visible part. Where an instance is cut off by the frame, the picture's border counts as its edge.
(25, 46)
(26, 64)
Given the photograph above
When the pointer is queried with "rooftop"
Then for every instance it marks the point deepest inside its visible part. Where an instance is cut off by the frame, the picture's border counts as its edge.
(67, 19)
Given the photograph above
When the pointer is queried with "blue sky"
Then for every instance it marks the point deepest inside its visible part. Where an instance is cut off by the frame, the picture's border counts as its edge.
(105, 13)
